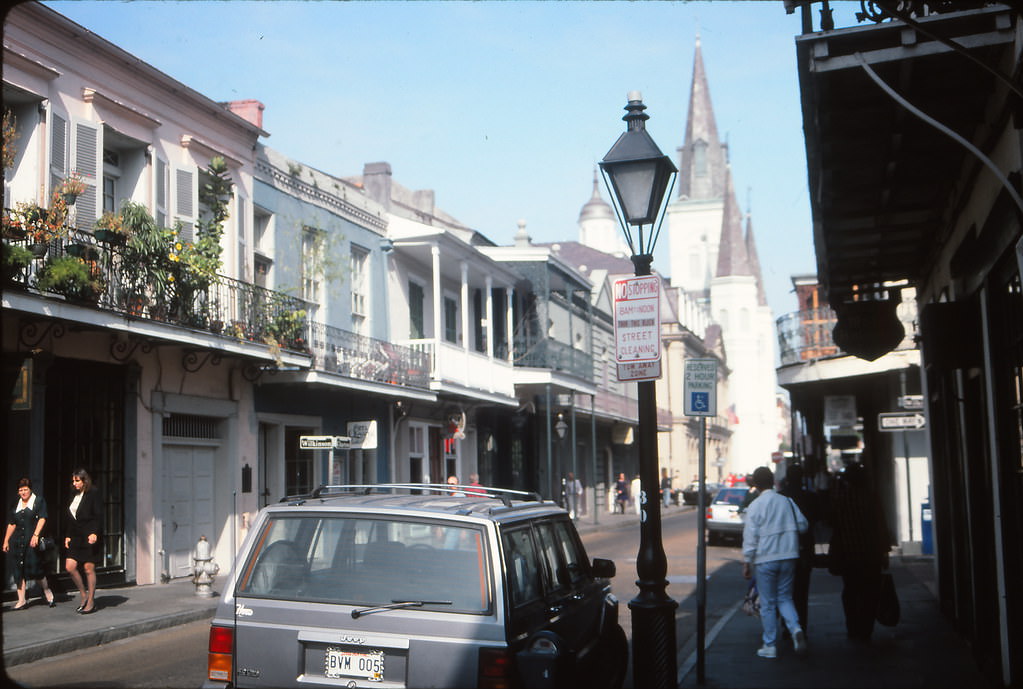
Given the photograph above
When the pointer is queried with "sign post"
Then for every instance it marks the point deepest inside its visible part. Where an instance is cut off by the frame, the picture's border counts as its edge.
(637, 325)
(700, 398)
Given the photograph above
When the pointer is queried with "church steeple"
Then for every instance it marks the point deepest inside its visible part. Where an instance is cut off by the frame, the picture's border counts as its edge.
(733, 258)
(754, 261)
(703, 156)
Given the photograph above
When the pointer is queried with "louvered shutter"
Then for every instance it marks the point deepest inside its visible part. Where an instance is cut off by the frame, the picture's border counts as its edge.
(243, 239)
(185, 201)
(161, 182)
(58, 149)
(87, 151)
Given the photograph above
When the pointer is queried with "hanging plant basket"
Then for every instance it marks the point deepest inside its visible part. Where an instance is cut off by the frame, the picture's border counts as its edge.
(70, 198)
(83, 251)
(109, 236)
(39, 249)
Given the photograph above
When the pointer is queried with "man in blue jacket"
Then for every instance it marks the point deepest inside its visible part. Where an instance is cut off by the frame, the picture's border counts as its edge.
(770, 547)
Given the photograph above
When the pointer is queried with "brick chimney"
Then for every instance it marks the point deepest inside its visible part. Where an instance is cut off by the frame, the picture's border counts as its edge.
(376, 180)
(250, 110)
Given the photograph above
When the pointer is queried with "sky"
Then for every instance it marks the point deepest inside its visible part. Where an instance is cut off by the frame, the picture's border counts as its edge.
(502, 108)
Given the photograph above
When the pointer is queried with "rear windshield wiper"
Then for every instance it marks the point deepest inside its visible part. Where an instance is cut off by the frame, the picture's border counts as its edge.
(397, 605)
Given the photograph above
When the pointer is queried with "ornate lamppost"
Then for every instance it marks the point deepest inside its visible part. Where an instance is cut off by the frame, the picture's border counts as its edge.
(639, 175)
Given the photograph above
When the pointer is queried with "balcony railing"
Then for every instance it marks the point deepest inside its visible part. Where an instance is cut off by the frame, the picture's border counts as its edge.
(356, 356)
(807, 335)
(226, 308)
(553, 355)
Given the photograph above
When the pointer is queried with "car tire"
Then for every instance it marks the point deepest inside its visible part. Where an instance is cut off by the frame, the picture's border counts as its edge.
(712, 538)
(612, 660)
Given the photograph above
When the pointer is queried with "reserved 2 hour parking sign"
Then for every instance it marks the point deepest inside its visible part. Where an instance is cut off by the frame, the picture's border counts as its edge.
(699, 389)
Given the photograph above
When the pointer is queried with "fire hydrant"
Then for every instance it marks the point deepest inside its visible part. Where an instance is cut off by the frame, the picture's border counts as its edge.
(204, 569)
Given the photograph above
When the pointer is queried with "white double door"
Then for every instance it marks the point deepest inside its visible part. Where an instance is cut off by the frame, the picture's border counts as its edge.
(187, 503)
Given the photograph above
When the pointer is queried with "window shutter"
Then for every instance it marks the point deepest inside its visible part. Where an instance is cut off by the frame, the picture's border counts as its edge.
(161, 192)
(243, 239)
(58, 149)
(185, 193)
(87, 151)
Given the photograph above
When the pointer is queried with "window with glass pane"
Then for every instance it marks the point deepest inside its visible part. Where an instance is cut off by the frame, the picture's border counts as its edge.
(416, 320)
(359, 279)
(312, 244)
(450, 320)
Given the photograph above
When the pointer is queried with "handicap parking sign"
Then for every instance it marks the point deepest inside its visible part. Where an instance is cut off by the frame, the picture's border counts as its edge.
(701, 401)
(699, 391)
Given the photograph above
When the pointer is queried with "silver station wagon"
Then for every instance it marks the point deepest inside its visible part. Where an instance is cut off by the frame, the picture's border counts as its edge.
(413, 585)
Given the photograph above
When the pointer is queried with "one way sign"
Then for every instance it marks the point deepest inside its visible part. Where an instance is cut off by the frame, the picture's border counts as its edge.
(901, 421)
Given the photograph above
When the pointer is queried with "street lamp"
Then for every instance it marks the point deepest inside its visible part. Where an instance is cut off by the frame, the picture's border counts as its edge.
(639, 175)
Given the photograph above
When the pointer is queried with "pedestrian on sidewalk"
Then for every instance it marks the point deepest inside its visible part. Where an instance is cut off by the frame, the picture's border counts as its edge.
(82, 540)
(808, 504)
(24, 529)
(621, 493)
(573, 493)
(858, 551)
(770, 548)
(665, 488)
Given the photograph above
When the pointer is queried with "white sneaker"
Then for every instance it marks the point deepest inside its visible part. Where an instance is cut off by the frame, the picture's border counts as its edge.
(799, 641)
(767, 652)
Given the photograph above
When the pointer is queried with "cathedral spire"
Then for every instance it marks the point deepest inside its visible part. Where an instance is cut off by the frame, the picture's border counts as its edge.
(754, 261)
(703, 156)
(733, 258)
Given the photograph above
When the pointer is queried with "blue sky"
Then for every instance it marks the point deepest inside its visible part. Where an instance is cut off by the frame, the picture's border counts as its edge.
(502, 108)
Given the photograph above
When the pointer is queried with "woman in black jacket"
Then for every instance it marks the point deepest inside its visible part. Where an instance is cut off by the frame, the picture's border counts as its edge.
(82, 538)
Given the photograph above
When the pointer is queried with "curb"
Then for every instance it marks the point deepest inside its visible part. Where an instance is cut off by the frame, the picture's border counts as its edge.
(103, 635)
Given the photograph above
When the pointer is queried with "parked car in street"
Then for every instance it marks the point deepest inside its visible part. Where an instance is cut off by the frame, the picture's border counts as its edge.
(724, 519)
(691, 493)
(413, 585)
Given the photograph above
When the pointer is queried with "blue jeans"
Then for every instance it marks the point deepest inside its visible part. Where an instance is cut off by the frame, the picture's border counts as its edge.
(774, 584)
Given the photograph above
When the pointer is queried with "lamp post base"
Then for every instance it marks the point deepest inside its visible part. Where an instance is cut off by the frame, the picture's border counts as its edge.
(654, 646)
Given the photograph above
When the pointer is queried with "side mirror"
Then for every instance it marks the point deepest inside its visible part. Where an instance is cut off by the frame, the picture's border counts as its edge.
(602, 568)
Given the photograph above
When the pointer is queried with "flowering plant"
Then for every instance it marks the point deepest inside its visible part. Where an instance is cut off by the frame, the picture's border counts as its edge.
(112, 222)
(42, 225)
(73, 185)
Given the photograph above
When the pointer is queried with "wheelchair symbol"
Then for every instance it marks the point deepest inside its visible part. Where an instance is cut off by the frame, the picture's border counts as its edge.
(701, 401)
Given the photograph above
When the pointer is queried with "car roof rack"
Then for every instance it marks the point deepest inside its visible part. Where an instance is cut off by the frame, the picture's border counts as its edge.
(505, 495)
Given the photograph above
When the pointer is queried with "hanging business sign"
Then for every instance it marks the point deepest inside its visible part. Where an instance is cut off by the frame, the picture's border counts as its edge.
(324, 442)
(699, 387)
(363, 434)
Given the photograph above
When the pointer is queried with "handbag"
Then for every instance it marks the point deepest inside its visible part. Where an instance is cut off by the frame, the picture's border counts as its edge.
(45, 544)
(888, 610)
(751, 601)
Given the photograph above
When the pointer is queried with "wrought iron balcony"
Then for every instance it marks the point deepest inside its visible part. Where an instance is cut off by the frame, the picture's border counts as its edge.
(554, 355)
(225, 307)
(807, 335)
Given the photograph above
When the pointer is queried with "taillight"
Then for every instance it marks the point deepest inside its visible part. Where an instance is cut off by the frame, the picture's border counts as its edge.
(220, 653)
(708, 513)
(495, 669)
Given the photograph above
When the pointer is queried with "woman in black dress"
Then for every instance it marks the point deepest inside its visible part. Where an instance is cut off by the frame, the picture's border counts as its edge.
(24, 528)
(82, 538)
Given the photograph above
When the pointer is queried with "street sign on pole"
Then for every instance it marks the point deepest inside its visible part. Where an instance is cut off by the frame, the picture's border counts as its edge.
(324, 442)
(901, 421)
(637, 319)
(699, 389)
(911, 401)
(639, 370)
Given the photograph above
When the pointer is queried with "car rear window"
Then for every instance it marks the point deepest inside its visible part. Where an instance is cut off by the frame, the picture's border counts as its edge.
(730, 496)
(369, 561)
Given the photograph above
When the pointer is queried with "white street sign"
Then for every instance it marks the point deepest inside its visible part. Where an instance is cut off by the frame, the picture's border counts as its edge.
(324, 442)
(699, 389)
(363, 434)
(637, 319)
(911, 401)
(901, 421)
(639, 370)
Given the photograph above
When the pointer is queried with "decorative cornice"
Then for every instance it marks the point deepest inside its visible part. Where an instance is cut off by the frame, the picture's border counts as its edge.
(91, 95)
(308, 192)
(37, 69)
(189, 141)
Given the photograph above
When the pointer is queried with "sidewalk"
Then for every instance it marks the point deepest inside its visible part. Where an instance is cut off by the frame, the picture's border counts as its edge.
(921, 652)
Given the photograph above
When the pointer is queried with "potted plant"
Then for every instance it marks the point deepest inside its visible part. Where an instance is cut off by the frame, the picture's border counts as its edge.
(71, 188)
(72, 277)
(42, 225)
(15, 259)
(110, 228)
(13, 225)
(286, 328)
(144, 264)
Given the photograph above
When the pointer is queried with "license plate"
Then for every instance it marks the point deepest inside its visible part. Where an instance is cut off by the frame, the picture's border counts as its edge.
(338, 663)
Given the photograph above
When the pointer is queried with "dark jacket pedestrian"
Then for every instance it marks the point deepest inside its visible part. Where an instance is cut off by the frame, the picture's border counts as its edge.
(82, 538)
(621, 493)
(25, 526)
(809, 505)
(858, 551)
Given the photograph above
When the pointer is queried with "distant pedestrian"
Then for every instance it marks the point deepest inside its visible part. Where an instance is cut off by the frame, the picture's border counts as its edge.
(573, 492)
(474, 486)
(770, 548)
(809, 505)
(82, 539)
(621, 494)
(636, 494)
(665, 488)
(21, 540)
(453, 482)
(858, 551)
